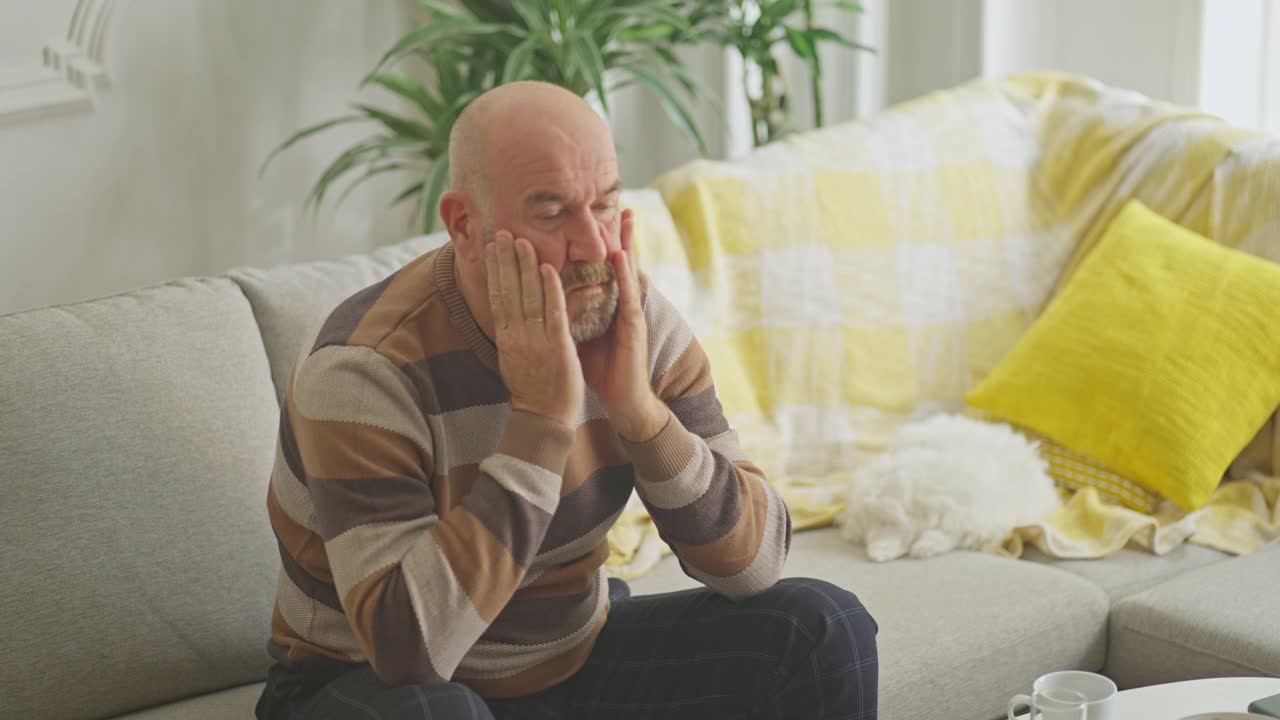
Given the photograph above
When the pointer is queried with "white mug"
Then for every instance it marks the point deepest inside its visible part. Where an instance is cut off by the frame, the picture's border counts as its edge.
(1057, 696)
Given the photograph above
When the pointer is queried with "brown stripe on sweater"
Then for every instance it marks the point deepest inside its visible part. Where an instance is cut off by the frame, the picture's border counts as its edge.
(344, 319)
(700, 414)
(537, 440)
(290, 640)
(362, 501)
(604, 493)
(516, 523)
(571, 578)
(540, 676)
(595, 446)
(460, 317)
(542, 620)
(477, 558)
(401, 297)
(732, 552)
(422, 333)
(710, 516)
(313, 587)
(306, 547)
(678, 449)
(689, 375)
(338, 449)
(450, 489)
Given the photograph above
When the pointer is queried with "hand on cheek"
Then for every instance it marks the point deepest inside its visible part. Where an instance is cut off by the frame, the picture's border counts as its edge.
(616, 365)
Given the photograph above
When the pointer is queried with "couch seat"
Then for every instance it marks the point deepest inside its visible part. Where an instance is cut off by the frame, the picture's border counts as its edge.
(961, 631)
(1130, 570)
(237, 702)
(1217, 621)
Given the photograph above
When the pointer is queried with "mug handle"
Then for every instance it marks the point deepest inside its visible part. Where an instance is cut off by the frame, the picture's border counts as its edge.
(1020, 700)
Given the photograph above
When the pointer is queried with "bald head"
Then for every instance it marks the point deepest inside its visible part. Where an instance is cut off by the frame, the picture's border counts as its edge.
(519, 117)
(535, 160)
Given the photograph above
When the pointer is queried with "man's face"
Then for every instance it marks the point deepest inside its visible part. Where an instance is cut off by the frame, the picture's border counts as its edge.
(563, 198)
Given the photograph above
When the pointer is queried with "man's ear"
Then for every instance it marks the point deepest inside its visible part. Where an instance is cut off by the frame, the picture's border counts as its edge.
(456, 214)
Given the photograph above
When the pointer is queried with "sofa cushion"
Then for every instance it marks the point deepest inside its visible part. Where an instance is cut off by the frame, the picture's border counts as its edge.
(1130, 391)
(287, 299)
(136, 439)
(1130, 571)
(222, 705)
(963, 631)
(1218, 621)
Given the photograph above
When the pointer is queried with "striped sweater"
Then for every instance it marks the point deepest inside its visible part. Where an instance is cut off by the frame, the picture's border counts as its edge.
(427, 529)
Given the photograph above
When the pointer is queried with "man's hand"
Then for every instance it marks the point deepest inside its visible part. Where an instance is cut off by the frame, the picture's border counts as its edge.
(616, 365)
(536, 355)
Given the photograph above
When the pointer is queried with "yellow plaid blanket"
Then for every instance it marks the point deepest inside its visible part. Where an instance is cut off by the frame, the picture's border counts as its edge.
(851, 279)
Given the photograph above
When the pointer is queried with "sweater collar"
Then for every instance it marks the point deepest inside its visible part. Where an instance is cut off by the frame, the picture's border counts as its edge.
(459, 314)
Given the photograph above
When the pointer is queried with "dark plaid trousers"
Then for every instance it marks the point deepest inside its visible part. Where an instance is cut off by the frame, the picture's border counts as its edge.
(804, 649)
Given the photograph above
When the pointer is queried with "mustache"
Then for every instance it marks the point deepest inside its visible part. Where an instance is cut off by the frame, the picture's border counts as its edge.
(578, 274)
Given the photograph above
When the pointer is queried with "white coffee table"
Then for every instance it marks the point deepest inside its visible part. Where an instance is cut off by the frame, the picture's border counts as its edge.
(1178, 700)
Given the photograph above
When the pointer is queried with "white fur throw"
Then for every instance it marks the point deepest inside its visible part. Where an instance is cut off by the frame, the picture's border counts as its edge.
(945, 483)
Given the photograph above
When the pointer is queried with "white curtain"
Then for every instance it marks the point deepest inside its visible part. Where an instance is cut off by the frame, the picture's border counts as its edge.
(1220, 55)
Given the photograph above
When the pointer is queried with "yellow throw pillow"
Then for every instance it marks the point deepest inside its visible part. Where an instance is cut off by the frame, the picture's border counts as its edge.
(1160, 358)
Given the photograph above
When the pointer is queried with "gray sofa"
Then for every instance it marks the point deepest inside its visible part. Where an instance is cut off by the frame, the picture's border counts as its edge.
(138, 568)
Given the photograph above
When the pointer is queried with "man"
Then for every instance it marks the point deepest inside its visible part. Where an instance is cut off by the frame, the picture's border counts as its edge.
(458, 439)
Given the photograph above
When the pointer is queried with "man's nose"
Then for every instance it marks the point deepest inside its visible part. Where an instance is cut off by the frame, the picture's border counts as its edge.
(586, 240)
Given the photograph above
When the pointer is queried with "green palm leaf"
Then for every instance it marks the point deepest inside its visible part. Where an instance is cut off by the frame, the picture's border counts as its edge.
(406, 194)
(437, 177)
(801, 42)
(304, 134)
(590, 59)
(423, 39)
(675, 110)
(818, 33)
(409, 89)
(397, 124)
(440, 9)
(517, 64)
(370, 171)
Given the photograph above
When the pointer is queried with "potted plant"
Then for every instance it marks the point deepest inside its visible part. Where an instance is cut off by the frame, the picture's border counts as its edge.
(591, 47)
(755, 29)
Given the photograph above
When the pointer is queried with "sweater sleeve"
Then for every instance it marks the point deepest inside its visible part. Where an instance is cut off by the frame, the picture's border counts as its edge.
(418, 584)
(714, 508)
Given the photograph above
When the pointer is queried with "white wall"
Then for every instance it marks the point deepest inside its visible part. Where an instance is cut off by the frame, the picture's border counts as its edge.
(158, 177)
(131, 132)
(1144, 45)
(931, 45)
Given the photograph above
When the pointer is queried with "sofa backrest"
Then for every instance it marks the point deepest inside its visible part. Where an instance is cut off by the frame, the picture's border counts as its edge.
(288, 299)
(136, 439)
(137, 434)
(863, 274)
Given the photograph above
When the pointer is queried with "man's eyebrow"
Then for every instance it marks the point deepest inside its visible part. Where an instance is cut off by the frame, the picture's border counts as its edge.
(545, 196)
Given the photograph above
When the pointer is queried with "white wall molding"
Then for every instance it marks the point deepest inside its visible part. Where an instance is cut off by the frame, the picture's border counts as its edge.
(69, 75)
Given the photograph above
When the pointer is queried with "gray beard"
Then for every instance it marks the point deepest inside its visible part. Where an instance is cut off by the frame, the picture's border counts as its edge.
(595, 318)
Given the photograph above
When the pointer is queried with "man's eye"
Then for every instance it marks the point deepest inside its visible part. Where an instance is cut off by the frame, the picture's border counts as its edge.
(554, 214)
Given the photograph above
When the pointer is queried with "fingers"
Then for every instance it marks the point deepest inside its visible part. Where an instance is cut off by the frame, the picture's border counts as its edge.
(496, 305)
(628, 285)
(627, 225)
(553, 302)
(624, 266)
(509, 277)
(531, 286)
